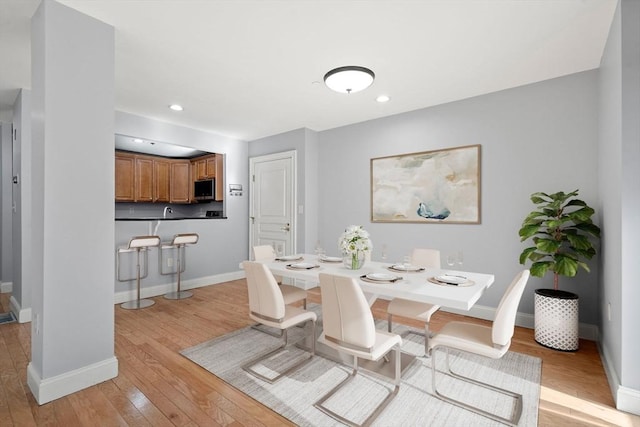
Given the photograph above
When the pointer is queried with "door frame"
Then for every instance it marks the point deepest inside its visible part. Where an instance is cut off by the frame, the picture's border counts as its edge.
(292, 155)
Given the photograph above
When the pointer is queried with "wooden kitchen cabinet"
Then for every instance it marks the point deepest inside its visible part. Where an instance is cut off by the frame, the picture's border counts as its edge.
(180, 182)
(125, 177)
(161, 180)
(205, 167)
(219, 165)
(144, 179)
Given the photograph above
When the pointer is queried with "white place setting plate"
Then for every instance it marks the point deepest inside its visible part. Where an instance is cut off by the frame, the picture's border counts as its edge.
(289, 258)
(451, 280)
(408, 268)
(330, 259)
(380, 277)
(302, 266)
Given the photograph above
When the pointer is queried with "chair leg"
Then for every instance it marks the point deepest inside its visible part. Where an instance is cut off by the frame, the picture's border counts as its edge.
(389, 322)
(257, 327)
(378, 410)
(248, 366)
(517, 412)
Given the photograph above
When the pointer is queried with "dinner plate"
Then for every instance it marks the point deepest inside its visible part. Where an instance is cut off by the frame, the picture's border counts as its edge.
(382, 277)
(330, 259)
(302, 265)
(402, 267)
(448, 278)
(289, 258)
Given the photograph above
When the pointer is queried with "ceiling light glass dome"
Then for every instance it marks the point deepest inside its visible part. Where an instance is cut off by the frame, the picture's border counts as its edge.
(349, 79)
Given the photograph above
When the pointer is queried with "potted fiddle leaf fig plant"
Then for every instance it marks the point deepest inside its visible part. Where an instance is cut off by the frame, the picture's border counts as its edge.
(562, 233)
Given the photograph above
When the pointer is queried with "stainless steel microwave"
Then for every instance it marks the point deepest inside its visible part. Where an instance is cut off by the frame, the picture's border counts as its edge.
(204, 189)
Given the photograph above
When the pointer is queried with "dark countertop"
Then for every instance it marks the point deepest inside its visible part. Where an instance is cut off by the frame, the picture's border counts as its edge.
(173, 218)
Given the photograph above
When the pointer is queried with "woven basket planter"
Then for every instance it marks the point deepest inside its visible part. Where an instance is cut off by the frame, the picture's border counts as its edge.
(556, 319)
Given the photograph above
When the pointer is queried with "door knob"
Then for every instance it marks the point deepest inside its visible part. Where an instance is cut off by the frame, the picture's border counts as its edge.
(286, 227)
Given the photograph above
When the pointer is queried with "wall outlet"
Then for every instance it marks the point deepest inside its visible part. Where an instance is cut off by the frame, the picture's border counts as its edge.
(169, 262)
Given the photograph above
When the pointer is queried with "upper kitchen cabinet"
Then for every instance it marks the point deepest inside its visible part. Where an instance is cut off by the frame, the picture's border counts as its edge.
(161, 180)
(144, 179)
(205, 167)
(180, 182)
(125, 177)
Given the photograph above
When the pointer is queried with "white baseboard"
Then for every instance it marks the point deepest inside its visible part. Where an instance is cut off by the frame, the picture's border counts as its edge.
(628, 400)
(6, 287)
(46, 390)
(161, 289)
(23, 315)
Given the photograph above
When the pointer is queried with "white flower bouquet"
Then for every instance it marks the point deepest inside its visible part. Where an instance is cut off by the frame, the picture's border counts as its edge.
(354, 242)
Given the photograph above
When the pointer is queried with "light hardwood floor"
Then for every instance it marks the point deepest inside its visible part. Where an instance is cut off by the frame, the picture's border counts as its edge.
(156, 386)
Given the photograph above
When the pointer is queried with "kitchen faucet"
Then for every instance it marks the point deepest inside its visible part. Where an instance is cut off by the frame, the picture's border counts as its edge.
(167, 209)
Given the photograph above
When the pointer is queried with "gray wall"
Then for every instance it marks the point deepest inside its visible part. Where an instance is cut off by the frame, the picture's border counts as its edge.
(6, 253)
(22, 273)
(540, 137)
(619, 182)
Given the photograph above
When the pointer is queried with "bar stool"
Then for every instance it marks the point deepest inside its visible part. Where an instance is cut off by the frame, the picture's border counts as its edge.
(179, 242)
(138, 244)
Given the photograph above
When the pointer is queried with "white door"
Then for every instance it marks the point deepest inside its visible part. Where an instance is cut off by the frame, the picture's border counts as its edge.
(272, 204)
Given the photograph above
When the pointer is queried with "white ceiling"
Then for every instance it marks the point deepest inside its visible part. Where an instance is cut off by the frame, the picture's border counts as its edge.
(249, 69)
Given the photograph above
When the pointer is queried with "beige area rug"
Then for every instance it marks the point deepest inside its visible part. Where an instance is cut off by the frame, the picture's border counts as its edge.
(293, 396)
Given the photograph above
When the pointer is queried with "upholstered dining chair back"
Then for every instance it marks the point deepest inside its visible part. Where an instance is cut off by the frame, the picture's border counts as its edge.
(428, 258)
(505, 318)
(265, 298)
(264, 253)
(346, 315)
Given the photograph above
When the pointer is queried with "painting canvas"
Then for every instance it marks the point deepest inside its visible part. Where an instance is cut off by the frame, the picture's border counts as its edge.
(441, 186)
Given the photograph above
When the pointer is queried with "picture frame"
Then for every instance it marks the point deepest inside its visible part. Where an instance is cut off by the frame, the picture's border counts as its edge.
(428, 187)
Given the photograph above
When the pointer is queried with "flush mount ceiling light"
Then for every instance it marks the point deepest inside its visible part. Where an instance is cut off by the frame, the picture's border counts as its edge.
(176, 107)
(349, 79)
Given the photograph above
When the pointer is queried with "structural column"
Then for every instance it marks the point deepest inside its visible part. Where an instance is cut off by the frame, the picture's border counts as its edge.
(72, 202)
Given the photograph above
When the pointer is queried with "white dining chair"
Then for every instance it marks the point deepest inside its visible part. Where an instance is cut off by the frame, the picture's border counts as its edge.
(267, 307)
(348, 327)
(421, 311)
(290, 293)
(487, 341)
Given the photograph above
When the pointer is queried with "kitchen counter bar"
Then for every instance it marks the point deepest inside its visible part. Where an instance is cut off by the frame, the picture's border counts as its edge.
(175, 218)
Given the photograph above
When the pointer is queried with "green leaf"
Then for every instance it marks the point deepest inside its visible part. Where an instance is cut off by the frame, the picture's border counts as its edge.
(589, 227)
(576, 202)
(539, 269)
(539, 197)
(526, 254)
(578, 241)
(582, 215)
(528, 231)
(547, 245)
(565, 265)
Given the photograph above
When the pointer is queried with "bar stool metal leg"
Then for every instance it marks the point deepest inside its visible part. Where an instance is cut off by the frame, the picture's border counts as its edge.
(179, 294)
(137, 303)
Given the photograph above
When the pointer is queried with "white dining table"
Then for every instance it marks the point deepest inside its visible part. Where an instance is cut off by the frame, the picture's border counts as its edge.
(411, 285)
(414, 286)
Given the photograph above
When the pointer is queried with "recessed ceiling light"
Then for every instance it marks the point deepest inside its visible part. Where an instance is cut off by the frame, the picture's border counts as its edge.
(138, 140)
(349, 79)
(383, 98)
(176, 107)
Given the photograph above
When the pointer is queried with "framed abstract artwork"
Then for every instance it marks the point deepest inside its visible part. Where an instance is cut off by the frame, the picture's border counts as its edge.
(440, 186)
